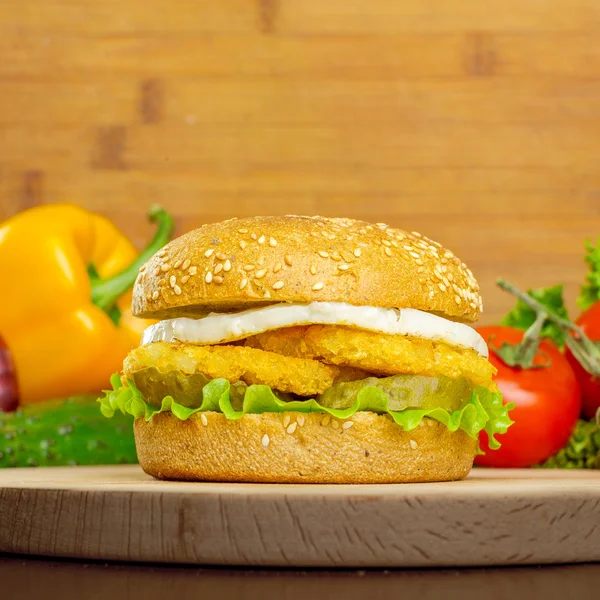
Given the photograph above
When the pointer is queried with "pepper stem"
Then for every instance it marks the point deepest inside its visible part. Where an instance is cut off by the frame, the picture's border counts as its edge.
(106, 292)
(583, 349)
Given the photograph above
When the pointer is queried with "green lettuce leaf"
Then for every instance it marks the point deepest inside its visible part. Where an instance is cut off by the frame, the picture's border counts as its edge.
(590, 291)
(485, 410)
(522, 317)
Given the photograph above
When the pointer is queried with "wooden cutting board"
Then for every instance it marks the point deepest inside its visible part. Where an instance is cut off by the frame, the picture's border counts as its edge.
(494, 517)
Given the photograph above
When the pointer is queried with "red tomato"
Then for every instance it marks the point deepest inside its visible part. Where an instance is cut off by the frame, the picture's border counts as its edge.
(548, 404)
(589, 321)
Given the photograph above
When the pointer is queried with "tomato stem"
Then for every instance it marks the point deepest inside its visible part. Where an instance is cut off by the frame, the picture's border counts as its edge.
(583, 349)
(523, 355)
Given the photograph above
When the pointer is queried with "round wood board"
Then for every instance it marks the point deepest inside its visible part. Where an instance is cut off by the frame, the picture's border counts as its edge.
(494, 517)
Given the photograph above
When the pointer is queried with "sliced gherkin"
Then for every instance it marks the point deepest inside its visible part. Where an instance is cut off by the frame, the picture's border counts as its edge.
(186, 389)
(404, 391)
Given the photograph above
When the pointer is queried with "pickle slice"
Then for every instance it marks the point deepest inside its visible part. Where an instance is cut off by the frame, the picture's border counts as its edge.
(403, 391)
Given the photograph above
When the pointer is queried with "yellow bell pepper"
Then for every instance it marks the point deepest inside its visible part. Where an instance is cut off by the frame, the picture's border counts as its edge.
(65, 297)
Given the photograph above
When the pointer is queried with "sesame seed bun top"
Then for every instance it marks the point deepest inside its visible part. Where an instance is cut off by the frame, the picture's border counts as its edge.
(246, 263)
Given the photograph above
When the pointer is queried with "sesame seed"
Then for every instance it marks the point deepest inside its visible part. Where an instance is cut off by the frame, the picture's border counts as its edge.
(203, 419)
(242, 231)
(261, 239)
(186, 264)
(218, 279)
(418, 261)
(446, 282)
(161, 282)
(172, 280)
(185, 279)
(162, 253)
(457, 299)
(318, 286)
(300, 420)
(193, 270)
(277, 268)
(395, 244)
(343, 267)
(420, 269)
(227, 266)
(218, 268)
(362, 231)
(260, 273)
(209, 252)
(430, 423)
(388, 251)
(243, 283)
(292, 428)
(347, 424)
(142, 269)
(253, 236)
(177, 264)
(431, 294)
(209, 277)
(261, 261)
(165, 267)
(286, 420)
(266, 294)
(243, 244)
(265, 440)
(413, 444)
(155, 295)
(177, 290)
(336, 256)
(326, 420)
(472, 305)
(323, 254)
(415, 254)
(278, 285)
(335, 424)
(450, 277)
(272, 242)
(248, 267)
(442, 287)
(157, 272)
(382, 225)
(288, 260)
(408, 247)
(357, 252)
(313, 270)
(386, 243)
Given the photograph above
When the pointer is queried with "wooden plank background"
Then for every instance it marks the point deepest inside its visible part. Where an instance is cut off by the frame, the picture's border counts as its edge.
(475, 122)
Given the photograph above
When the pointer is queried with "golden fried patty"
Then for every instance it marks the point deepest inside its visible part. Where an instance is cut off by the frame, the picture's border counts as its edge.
(302, 376)
(378, 353)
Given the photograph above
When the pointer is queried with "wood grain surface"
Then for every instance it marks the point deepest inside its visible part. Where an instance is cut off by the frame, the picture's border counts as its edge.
(474, 122)
(502, 517)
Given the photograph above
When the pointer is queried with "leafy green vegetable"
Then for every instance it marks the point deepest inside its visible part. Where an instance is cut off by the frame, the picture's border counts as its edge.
(484, 411)
(522, 317)
(590, 291)
(582, 450)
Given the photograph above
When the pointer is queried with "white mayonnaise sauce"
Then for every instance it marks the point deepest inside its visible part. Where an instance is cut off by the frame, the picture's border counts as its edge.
(217, 328)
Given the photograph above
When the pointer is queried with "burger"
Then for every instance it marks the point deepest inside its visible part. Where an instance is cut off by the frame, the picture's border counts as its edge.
(307, 350)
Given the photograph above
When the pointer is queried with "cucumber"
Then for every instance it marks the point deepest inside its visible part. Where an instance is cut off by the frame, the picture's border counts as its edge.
(67, 431)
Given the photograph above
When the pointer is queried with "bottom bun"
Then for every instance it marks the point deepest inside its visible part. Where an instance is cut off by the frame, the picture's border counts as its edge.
(294, 447)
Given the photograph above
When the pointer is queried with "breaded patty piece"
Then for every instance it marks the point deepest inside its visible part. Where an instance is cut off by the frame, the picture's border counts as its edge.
(379, 353)
(301, 376)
